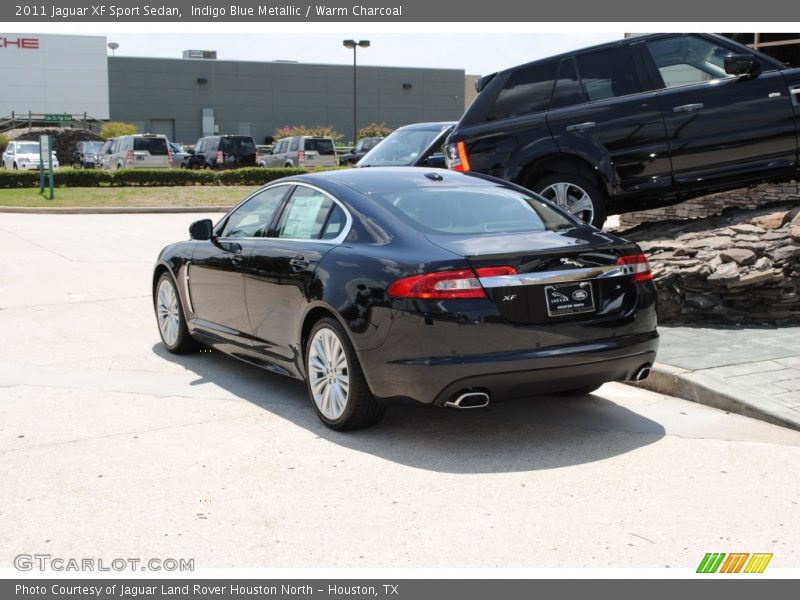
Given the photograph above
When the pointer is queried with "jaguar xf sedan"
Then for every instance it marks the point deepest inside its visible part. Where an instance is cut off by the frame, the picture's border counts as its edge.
(395, 285)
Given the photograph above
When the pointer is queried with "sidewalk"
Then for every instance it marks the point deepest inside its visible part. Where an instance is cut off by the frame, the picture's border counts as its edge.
(753, 372)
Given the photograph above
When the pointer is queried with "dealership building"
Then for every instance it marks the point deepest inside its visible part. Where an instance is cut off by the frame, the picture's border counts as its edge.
(187, 98)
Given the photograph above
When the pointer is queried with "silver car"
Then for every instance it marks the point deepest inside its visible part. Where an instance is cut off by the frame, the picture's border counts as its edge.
(139, 151)
(301, 151)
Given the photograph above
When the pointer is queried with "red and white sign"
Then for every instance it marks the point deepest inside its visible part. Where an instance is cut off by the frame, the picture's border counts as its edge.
(23, 43)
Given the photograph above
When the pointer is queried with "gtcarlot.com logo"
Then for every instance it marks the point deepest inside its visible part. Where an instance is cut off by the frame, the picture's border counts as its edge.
(45, 562)
(734, 562)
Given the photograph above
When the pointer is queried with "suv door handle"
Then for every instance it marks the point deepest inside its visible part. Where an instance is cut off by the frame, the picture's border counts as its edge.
(581, 126)
(298, 263)
(688, 107)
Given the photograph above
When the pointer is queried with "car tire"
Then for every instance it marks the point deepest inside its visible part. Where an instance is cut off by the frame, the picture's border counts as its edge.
(575, 194)
(169, 316)
(337, 388)
(581, 391)
(16, 168)
(288, 165)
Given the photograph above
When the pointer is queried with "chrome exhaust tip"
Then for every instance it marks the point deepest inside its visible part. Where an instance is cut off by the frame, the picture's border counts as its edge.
(641, 373)
(469, 400)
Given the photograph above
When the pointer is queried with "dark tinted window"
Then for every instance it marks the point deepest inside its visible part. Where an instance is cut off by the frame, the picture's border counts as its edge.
(237, 145)
(471, 211)
(336, 222)
(687, 59)
(608, 73)
(155, 146)
(323, 146)
(527, 91)
(568, 89)
(254, 216)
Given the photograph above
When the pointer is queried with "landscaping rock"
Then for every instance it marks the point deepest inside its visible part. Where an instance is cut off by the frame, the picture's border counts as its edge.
(741, 256)
(771, 221)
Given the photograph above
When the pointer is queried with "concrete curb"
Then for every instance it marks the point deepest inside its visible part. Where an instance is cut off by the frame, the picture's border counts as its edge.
(696, 387)
(110, 210)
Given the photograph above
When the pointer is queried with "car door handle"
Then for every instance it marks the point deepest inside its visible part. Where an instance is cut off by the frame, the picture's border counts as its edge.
(688, 107)
(581, 126)
(299, 263)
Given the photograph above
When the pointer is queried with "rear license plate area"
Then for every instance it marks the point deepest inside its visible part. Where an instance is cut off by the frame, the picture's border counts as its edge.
(569, 298)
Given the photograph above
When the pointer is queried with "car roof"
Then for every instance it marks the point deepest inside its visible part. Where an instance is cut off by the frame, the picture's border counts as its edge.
(385, 179)
(431, 125)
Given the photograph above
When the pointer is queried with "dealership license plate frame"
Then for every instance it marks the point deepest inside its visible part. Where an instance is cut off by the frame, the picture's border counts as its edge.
(572, 306)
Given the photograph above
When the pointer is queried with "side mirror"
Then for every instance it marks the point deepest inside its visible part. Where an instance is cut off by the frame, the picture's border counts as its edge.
(742, 64)
(436, 161)
(201, 230)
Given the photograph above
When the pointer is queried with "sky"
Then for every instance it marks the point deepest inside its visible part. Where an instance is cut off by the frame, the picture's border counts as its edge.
(476, 53)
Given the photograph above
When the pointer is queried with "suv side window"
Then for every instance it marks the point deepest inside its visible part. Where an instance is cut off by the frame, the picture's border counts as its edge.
(295, 145)
(526, 91)
(253, 217)
(596, 75)
(687, 60)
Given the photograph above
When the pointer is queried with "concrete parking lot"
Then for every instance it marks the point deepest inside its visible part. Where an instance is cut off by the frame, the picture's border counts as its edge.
(110, 447)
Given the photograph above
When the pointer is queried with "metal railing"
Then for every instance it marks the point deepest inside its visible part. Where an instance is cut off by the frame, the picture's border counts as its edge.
(58, 120)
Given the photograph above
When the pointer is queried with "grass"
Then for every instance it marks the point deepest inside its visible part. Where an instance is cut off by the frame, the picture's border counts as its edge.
(128, 196)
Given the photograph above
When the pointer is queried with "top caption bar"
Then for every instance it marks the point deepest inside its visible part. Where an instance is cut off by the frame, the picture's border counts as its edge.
(445, 11)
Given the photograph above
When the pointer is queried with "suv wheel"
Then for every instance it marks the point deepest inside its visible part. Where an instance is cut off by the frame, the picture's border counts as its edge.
(575, 194)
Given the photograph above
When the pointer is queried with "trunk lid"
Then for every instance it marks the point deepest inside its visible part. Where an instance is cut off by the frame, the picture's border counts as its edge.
(564, 275)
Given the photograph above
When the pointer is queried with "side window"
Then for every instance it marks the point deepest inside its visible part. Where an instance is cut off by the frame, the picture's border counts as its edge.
(282, 147)
(608, 73)
(306, 215)
(687, 60)
(335, 224)
(527, 91)
(295, 145)
(253, 217)
(596, 75)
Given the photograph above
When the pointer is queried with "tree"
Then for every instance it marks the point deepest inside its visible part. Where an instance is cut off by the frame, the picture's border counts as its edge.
(3, 142)
(317, 130)
(374, 130)
(116, 129)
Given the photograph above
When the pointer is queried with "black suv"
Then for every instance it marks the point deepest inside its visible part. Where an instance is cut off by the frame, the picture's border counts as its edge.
(639, 123)
(222, 152)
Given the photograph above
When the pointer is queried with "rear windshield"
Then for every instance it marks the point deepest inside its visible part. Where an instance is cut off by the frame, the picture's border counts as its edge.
(323, 146)
(155, 146)
(237, 145)
(471, 211)
(401, 148)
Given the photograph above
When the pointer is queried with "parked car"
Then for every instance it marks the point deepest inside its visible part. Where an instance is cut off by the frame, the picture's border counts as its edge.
(223, 152)
(24, 155)
(302, 151)
(263, 150)
(85, 154)
(418, 145)
(377, 285)
(138, 151)
(103, 154)
(179, 154)
(362, 146)
(638, 123)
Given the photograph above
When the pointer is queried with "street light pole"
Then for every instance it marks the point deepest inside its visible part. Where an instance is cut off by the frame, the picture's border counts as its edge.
(354, 45)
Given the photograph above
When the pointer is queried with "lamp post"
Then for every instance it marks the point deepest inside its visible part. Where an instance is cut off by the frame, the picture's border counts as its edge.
(354, 45)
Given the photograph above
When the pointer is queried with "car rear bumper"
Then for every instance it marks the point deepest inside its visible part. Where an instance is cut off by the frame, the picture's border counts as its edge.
(519, 373)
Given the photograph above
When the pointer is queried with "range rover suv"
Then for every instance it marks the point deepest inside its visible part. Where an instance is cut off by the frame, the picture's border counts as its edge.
(639, 123)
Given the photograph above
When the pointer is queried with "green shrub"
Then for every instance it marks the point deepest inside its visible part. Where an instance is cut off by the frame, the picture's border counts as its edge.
(148, 177)
(117, 128)
(3, 141)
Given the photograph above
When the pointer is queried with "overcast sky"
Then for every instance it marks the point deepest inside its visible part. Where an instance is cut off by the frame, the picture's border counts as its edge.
(476, 53)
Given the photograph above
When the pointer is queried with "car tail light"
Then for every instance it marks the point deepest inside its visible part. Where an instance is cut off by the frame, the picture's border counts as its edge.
(169, 154)
(256, 157)
(220, 156)
(637, 265)
(129, 157)
(456, 157)
(446, 285)
(301, 157)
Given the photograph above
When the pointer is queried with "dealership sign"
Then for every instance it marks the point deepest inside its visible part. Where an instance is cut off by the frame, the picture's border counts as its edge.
(22, 43)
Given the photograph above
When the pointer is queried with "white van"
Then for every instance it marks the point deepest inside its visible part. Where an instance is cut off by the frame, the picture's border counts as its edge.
(23, 155)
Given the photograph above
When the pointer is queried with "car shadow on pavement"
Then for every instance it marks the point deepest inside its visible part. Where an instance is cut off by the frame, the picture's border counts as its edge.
(536, 433)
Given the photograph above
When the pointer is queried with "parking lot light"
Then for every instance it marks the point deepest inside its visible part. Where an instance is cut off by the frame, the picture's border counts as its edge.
(354, 45)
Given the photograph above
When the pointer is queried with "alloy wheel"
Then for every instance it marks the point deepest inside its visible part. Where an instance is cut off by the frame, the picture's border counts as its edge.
(572, 198)
(328, 373)
(168, 313)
